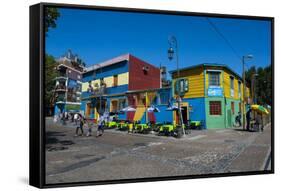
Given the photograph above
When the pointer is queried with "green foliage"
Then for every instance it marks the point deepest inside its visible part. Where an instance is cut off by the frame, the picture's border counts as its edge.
(51, 15)
(50, 74)
(262, 83)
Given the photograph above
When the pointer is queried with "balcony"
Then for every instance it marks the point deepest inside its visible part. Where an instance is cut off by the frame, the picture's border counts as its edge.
(60, 88)
(61, 78)
(60, 98)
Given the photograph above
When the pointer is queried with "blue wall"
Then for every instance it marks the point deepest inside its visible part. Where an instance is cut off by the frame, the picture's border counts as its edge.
(111, 70)
(198, 109)
(163, 115)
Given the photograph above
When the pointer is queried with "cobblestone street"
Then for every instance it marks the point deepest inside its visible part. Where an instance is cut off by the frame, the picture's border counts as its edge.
(119, 155)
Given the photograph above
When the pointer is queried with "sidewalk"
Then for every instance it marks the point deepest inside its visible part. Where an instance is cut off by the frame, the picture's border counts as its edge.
(254, 153)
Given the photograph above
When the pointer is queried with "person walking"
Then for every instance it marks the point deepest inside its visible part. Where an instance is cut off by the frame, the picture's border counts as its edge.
(90, 126)
(76, 118)
(100, 129)
(81, 124)
(238, 119)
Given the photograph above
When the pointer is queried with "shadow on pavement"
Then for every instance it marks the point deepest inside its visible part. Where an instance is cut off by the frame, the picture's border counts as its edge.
(53, 143)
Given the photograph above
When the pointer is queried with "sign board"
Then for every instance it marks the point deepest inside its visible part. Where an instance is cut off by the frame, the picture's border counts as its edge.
(214, 91)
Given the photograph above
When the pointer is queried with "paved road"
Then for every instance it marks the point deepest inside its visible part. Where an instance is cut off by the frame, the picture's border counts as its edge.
(118, 155)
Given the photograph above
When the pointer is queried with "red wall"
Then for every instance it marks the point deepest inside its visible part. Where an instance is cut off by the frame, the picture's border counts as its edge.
(138, 80)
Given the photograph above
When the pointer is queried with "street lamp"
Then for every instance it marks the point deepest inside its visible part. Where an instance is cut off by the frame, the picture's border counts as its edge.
(174, 43)
(244, 58)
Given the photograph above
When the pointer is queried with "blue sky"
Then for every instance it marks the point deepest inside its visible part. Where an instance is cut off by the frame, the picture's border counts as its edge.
(100, 35)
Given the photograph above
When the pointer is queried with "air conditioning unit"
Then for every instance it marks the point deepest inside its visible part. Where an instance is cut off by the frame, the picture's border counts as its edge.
(145, 68)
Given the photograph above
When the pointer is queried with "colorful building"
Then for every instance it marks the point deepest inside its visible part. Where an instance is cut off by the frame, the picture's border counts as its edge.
(105, 85)
(214, 94)
(67, 92)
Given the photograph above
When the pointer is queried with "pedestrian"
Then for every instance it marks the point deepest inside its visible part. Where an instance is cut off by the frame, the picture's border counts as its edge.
(100, 129)
(90, 126)
(238, 119)
(76, 118)
(81, 124)
(248, 118)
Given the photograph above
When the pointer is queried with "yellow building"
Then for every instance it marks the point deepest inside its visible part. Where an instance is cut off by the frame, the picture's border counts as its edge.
(214, 94)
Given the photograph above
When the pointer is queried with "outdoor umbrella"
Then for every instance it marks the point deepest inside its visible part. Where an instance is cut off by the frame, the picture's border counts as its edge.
(172, 108)
(128, 109)
(259, 109)
(153, 109)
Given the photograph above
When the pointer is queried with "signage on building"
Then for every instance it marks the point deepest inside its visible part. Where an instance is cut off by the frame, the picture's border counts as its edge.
(214, 91)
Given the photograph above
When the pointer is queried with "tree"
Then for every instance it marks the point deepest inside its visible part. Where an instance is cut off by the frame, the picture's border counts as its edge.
(263, 83)
(50, 74)
(51, 16)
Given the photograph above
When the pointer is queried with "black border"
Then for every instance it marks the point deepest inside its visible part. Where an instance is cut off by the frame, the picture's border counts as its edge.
(37, 92)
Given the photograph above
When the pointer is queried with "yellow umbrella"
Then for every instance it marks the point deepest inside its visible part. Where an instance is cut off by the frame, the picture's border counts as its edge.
(259, 109)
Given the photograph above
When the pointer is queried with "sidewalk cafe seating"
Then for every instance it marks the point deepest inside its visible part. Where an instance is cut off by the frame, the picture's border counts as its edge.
(156, 126)
(123, 125)
(170, 129)
(142, 128)
(196, 125)
(111, 124)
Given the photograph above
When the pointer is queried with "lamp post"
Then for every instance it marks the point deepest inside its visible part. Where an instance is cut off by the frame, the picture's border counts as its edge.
(244, 58)
(174, 43)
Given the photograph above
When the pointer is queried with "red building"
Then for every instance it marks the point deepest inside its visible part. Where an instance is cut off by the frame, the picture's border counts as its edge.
(142, 75)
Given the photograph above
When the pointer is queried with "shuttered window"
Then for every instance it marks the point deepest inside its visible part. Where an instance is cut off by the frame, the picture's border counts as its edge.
(215, 107)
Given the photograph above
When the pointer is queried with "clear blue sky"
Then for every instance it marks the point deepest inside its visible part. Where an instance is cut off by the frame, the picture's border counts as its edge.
(100, 35)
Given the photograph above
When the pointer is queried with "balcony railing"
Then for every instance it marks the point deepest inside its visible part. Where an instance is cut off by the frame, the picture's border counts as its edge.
(60, 87)
(97, 92)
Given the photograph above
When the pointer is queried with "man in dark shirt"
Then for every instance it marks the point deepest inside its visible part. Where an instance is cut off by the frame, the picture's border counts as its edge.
(248, 118)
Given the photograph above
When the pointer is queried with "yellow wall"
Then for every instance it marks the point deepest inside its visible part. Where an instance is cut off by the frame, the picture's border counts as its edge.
(236, 90)
(195, 79)
(123, 79)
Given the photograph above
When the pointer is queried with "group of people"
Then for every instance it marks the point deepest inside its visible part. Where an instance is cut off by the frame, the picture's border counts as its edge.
(80, 122)
(257, 119)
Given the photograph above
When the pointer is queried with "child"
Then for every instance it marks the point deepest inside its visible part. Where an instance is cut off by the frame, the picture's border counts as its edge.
(81, 119)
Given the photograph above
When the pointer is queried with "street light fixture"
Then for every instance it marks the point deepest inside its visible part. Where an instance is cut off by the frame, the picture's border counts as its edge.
(244, 58)
(174, 43)
(171, 53)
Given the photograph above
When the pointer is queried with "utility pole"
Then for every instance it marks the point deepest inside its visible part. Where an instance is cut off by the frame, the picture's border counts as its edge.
(244, 92)
(173, 41)
(253, 87)
(249, 56)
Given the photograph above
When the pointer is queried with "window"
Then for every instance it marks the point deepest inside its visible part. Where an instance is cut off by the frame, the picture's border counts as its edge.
(231, 86)
(214, 78)
(215, 107)
(232, 107)
(115, 80)
(240, 107)
(239, 89)
(122, 104)
(163, 98)
(231, 82)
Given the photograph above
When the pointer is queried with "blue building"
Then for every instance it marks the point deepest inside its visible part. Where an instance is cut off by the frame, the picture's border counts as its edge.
(68, 83)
